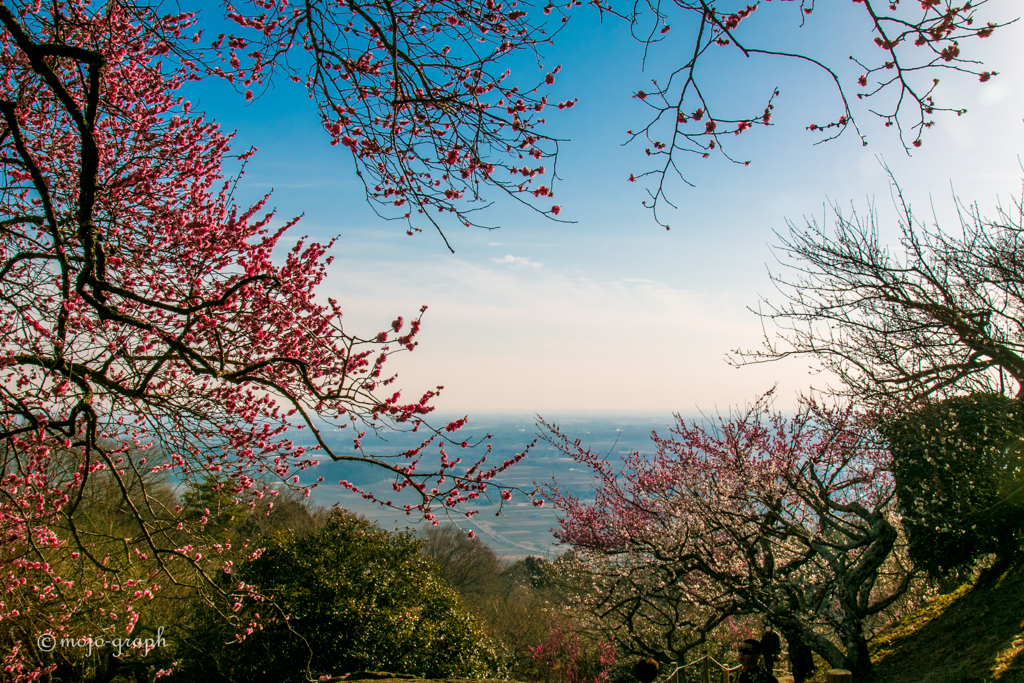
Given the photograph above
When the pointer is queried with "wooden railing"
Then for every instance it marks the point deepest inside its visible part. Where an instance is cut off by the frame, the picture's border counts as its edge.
(707, 669)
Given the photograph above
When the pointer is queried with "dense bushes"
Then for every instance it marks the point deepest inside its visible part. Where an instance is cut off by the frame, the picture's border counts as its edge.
(960, 479)
(346, 597)
(525, 607)
(513, 601)
(316, 592)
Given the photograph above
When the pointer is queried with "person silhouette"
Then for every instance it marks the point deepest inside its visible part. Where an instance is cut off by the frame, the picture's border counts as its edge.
(771, 646)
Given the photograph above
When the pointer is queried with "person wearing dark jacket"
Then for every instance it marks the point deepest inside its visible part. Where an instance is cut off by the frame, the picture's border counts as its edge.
(749, 651)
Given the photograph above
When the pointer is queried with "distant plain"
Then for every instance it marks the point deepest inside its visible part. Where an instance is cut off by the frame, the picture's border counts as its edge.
(520, 529)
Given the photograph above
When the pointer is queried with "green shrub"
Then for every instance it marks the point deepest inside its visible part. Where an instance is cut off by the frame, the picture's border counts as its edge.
(346, 597)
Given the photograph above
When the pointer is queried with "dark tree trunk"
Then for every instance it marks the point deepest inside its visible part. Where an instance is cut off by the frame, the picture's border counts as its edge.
(858, 660)
(801, 658)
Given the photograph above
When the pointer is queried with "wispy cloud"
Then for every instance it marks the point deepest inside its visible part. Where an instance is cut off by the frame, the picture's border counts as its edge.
(543, 339)
(517, 262)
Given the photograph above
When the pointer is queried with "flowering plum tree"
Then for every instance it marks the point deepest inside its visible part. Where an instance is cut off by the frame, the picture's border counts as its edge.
(913, 44)
(789, 519)
(563, 658)
(150, 326)
(419, 92)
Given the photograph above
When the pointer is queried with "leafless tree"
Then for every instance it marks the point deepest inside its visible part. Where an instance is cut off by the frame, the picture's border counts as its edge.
(941, 315)
(467, 564)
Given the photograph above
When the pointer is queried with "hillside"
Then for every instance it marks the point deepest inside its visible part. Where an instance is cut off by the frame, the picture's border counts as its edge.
(974, 634)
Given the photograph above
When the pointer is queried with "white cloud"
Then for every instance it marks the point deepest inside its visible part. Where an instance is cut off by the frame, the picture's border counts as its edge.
(517, 262)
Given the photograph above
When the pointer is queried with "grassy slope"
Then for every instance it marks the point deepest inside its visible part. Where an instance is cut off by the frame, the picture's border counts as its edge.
(974, 634)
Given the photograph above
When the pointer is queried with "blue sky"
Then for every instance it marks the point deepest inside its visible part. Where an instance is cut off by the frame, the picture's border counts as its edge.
(612, 313)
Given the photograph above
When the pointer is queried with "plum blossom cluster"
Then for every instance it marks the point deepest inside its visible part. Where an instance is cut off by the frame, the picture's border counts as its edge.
(563, 653)
(936, 39)
(914, 43)
(450, 485)
(418, 91)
